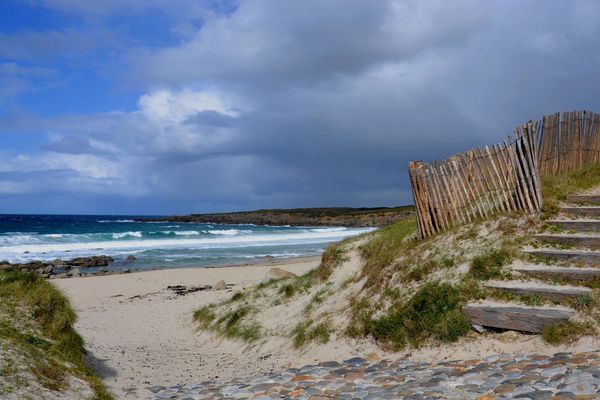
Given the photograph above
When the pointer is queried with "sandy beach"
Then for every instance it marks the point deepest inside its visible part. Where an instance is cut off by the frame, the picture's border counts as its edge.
(140, 334)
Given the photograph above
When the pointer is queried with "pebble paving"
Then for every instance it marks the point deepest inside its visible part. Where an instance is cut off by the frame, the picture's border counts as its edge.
(514, 376)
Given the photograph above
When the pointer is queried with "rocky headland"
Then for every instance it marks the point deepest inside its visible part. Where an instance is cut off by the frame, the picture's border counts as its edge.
(349, 217)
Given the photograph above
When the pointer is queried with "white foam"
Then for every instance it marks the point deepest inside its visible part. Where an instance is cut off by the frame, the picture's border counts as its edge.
(103, 221)
(121, 235)
(197, 243)
(224, 232)
(336, 229)
(186, 233)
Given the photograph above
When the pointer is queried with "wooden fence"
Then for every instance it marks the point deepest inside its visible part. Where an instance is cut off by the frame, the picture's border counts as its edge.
(478, 183)
(568, 142)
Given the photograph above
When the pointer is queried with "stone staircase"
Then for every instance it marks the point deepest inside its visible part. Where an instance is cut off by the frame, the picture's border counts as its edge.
(573, 256)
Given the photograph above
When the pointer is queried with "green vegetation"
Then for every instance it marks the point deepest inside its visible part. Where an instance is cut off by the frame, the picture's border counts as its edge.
(205, 316)
(317, 298)
(39, 323)
(237, 296)
(233, 324)
(567, 332)
(306, 332)
(433, 312)
(384, 247)
(288, 290)
(490, 264)
(555, 188)
(419, 272)
(333, 256)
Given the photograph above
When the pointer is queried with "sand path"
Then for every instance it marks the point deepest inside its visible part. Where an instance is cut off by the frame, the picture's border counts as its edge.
(140, 334)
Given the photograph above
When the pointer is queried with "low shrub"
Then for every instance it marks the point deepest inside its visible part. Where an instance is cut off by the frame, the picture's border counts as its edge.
(433, 312)
(489, 265)
(567, 332)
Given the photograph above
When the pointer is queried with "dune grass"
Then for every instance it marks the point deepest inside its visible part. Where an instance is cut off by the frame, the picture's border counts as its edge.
(567, 332)
(555, 188)
(433, 312)
(385, 246)
(235, 323)
(38, 320)
(306, 332)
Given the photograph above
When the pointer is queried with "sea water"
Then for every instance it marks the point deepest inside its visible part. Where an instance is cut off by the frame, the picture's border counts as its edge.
(155, 245)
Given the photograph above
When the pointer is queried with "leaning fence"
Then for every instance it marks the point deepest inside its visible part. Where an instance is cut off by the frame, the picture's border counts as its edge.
(568, 142)
(477, 183)
(505, 177)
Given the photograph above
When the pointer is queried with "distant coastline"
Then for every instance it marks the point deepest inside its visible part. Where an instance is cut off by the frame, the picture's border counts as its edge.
(334, 216)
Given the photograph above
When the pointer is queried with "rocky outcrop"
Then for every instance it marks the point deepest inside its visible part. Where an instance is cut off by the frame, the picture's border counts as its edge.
(87, 262)
(60, 268)
(350, 217)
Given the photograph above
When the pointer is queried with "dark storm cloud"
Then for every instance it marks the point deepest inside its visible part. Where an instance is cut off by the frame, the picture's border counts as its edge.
(285, 104)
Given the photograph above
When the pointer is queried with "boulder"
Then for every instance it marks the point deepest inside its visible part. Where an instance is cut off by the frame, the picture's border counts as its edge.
(48, 269)
(74, 272)
(131, 258)
(93, 261)
(58, 263)
(278, 273)
(221, 285)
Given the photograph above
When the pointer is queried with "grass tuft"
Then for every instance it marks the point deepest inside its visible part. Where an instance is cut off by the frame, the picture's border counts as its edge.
(333, 256)
(490, 264)
(433, 312)
(232, 324)
(288, 290)
(567, 332)
(306, 332)
(204, 316)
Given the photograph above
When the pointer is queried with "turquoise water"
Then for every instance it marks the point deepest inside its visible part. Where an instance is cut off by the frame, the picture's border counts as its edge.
(156, 245)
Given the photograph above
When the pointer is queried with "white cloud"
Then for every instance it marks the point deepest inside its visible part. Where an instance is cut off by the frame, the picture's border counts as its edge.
(163, 106)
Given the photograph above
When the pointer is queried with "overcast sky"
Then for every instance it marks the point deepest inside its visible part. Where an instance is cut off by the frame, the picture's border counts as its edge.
(177, 106)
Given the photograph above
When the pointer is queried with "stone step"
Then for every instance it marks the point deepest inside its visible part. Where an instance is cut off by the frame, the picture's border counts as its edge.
(585, 256)
(584, 198)
(569, 273)
(582, 225)
(555, 292)
(586, 211)
(515, 317)
(590, 241)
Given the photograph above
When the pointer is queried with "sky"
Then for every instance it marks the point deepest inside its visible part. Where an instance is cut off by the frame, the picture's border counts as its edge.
(179, 106)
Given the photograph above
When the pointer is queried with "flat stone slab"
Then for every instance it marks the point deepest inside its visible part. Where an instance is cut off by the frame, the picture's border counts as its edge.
(569, 273)
(585, 256)
(580, 225)
(584, 198)
(502, 376)
(589, 211)
(590, 241)
(557, 292)
(515, 317)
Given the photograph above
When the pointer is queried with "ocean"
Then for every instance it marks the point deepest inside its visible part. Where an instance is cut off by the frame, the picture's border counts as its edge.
(157, 245)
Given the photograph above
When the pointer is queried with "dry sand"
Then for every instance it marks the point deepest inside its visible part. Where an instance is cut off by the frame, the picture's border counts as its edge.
(140, 334)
